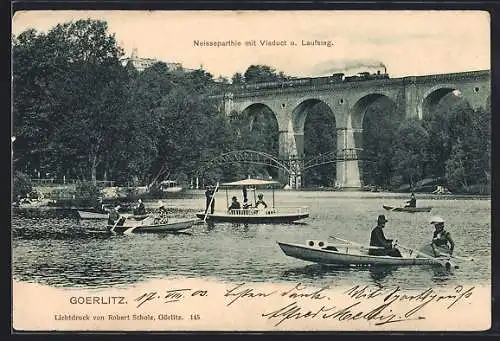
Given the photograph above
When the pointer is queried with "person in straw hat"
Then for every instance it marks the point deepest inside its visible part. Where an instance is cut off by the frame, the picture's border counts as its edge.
(441, 239)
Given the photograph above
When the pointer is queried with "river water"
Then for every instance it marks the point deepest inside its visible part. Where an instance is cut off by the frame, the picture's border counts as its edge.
(59, 250)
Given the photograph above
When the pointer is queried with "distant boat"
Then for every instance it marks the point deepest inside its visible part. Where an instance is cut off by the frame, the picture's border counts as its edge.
(407, 209)
(253, 215)
(100, 215)
(170, 186)
(168, 227)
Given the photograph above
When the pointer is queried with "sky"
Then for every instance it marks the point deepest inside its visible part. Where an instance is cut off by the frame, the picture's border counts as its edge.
(408, 43)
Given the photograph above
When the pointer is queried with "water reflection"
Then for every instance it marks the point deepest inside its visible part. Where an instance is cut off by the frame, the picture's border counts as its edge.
(378, 273)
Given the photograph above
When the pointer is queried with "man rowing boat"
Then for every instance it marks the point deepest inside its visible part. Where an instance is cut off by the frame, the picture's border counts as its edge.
(412, 202)
(378, 239)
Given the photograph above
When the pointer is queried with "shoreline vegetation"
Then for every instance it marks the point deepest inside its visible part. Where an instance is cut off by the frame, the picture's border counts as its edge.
(67, 201)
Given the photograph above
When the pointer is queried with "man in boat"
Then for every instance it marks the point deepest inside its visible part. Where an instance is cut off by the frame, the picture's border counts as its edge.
(246, 204)
(378, 239)
(260, 203)
(115, 218)
(235, 205)
(412, 202)
(209, 194)
(100, 205)
(140, 209)
(441, 239)
(161, 215)
(245, 194)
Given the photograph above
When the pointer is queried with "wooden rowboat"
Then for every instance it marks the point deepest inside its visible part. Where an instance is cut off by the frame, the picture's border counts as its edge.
(101, 216)
(325, 253)
(169, 227)
(407, 209)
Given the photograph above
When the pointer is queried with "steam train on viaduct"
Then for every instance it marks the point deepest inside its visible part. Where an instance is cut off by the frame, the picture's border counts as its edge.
(332, 79)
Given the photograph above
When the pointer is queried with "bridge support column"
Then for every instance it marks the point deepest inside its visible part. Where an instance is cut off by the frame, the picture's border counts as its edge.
(291, 150)
(412, 105)
(348, 173)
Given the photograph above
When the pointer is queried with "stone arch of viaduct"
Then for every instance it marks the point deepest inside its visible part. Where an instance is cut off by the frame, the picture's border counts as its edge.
(348, 101)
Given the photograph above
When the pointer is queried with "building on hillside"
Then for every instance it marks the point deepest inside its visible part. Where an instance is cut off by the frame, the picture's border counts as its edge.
(140, 64)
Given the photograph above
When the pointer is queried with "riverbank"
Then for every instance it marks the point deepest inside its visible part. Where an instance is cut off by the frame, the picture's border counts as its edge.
(69, 205)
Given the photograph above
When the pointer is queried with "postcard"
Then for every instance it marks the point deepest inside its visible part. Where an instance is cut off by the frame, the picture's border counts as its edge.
(251, 171)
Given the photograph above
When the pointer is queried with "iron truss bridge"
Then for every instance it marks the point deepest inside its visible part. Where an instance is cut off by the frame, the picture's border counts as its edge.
(292, 166)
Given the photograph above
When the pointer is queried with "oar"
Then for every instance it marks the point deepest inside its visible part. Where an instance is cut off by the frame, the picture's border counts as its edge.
(210, 203)
(468, 259)
(357, 244)
(116, 223)
(131, 229)
(446, 264)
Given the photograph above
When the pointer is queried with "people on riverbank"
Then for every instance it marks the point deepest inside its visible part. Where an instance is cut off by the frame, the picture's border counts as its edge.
(378, 239)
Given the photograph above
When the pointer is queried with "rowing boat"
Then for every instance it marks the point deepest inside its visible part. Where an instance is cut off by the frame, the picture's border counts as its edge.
(407, 209)
(168, 227)
(101, 216)
(325, 253)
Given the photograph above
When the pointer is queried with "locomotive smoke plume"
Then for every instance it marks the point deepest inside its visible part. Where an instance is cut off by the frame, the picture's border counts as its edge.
(347, 66)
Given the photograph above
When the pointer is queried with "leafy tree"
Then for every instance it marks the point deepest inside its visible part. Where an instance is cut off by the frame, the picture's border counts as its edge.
(409, 153)
(380, 123)
(469, 162)
(445, 123)
(74, 65)
(22, 185)
(320, 137)
(260, 74)
(237, 78)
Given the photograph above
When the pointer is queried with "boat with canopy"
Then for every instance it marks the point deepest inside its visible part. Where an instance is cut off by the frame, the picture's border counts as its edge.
(255, 215)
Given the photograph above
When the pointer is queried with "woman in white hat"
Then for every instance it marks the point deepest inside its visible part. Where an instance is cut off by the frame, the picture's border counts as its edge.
(441, 240)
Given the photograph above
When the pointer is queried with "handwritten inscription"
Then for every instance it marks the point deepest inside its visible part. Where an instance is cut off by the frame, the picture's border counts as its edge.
(240, 292)
(168, 296)
(367, 306)
(376, 304)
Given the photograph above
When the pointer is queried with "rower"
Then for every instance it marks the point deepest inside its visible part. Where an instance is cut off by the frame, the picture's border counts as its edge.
(114, 217)
(412, 202)
(441, 238)
(140, 209)
(378, 239)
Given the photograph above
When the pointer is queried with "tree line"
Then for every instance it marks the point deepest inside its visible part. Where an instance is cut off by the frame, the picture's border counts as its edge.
(79, 113)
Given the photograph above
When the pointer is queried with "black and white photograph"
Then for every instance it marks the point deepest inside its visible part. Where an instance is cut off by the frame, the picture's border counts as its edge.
(251, 170)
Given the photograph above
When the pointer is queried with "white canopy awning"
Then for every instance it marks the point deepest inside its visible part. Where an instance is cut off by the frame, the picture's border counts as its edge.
(250, 182)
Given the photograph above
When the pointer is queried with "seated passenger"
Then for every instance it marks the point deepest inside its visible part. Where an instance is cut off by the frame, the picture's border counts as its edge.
(235, 205)
(378, 239)
(260, 203)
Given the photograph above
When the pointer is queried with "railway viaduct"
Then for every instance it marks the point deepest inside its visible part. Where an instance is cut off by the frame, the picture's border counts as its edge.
(348, 101)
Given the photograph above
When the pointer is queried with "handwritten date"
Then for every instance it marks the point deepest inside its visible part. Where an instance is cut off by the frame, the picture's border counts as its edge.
(168, 296)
